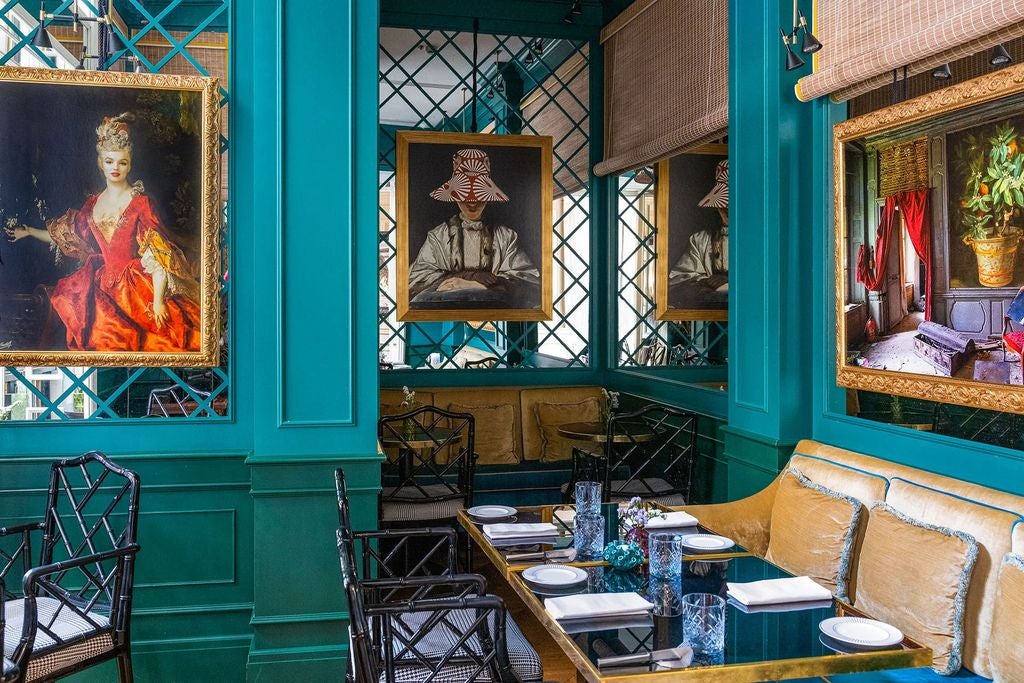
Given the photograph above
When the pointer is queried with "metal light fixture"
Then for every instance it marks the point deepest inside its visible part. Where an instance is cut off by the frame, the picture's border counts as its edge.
(793, 60)
(528, 59)
(114, 42)
(1000, 57)
(810, 43)
(41, 38)
(943, 73)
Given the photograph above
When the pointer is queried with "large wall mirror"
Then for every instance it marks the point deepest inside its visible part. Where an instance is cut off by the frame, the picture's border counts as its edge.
(929, 222)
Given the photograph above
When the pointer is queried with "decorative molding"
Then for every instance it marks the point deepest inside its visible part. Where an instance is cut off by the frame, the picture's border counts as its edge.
(299, 618)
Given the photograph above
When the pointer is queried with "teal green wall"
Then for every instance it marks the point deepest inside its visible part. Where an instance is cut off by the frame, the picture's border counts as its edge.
(238, 574)
(781, 357)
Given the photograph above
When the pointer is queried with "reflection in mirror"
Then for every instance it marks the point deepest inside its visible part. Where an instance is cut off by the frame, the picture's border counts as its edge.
(929, 199)
(643, 338)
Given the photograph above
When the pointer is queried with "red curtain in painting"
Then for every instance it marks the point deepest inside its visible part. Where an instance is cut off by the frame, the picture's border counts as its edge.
(874, 278)
(917, 217)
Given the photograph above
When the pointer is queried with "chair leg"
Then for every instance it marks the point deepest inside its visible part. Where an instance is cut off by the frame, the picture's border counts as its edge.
(124, 668)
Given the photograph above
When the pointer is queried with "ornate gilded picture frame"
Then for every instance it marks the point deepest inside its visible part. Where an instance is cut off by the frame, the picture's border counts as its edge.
(109, 219)
(929, 282)
(474, 226)
(692, 273)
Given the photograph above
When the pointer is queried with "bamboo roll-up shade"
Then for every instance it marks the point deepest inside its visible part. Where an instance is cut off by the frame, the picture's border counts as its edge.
(666, 81)
(561, 108)
(864, 40)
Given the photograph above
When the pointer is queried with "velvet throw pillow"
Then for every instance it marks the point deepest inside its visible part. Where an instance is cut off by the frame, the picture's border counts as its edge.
(493, 439)
(551, 416)
(813, 530)
(1007, 653)
(915, 576)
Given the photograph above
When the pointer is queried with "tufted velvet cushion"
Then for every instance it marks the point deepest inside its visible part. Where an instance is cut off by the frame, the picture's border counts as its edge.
(915, 576)
(813, 530)
(551, 416)
(1007, 655)
(493, 439)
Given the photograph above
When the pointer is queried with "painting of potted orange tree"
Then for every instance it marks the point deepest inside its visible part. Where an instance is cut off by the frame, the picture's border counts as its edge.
(993, 169)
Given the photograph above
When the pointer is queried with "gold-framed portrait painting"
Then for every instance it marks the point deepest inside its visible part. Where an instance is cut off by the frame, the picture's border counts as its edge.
(109, 219)
(929, 226)
(692, 197)
(473, 226)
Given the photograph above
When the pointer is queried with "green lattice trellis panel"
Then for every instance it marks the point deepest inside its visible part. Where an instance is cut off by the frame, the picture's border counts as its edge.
(170, 36)
(426, 83)
(643, 340)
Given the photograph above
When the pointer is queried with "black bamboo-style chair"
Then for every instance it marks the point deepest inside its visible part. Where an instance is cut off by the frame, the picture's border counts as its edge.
(648, 453)
(75, 608)
(412, 624)
(9, 673)
(428, 475)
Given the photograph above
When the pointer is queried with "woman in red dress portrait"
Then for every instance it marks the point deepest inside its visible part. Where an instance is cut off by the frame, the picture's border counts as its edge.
(134, 290)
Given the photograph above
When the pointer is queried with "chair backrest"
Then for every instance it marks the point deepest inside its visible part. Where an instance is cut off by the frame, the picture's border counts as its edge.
(363, 665)
(653, 442)
(92, 507)
(341, 490)
(434, 455)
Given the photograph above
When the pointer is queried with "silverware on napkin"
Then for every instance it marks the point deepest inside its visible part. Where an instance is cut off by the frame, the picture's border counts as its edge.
(682, 654)
(564, 555)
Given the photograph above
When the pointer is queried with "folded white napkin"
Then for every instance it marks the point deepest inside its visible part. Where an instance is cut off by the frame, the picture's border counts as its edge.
(672, 520)
(781, 606)
(519, 530)
(594, 605)
(774, 591)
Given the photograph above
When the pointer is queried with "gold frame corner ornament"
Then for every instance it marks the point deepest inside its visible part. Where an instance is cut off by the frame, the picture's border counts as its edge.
(209, 299)
(404, 313)
(971, 393)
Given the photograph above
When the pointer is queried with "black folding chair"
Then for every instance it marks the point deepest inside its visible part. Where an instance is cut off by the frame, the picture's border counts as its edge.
(75, 610)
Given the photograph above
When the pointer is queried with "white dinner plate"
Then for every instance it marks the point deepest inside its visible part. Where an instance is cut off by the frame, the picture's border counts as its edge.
(491, 511)
(836, 646)
(554, 575)
(707, 543)
(864, 634)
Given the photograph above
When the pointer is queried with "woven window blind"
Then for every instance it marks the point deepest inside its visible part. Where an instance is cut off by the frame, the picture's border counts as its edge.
(666, 81)
(864, 40)
(565, 116)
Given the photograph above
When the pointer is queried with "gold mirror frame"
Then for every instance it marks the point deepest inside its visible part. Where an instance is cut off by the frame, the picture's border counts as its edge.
(976, 394)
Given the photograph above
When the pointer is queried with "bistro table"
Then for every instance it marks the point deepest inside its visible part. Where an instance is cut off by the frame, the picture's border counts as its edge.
(759, 644)
(597, 432)
(560, 516)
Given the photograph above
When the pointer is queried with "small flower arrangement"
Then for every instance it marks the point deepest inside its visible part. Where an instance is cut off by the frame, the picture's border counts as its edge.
(637, 514)
(408, 398)
(609, 405)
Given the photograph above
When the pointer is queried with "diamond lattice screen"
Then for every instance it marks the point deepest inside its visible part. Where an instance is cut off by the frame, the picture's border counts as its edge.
(524, 86)
(165, 36)
(644, 340)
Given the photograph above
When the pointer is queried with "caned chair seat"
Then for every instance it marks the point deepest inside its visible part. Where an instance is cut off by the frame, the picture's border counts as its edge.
(67, 625)
(412, 510)
(440, 640)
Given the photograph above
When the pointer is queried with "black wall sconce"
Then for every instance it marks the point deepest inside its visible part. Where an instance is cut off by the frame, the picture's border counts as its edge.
(808, 45)
(111, 45)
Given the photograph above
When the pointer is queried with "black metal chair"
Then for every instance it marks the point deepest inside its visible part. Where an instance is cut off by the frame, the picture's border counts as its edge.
(650, 453)
(408, 625)
(428, 475)
(75, 610)
(9, 673)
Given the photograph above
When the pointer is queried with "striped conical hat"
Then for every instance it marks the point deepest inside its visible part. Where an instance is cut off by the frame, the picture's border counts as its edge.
(718, 198)
(471, 180)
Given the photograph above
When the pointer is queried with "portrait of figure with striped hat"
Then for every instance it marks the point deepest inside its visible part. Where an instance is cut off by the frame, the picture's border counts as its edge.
(474, 226)
(693, 248)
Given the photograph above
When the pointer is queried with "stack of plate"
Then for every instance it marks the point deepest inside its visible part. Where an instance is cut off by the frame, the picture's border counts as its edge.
(555, 579)
(491, 513)
(850, 635)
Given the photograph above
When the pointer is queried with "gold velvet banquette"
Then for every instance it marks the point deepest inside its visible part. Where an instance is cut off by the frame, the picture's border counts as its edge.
(938, 557)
